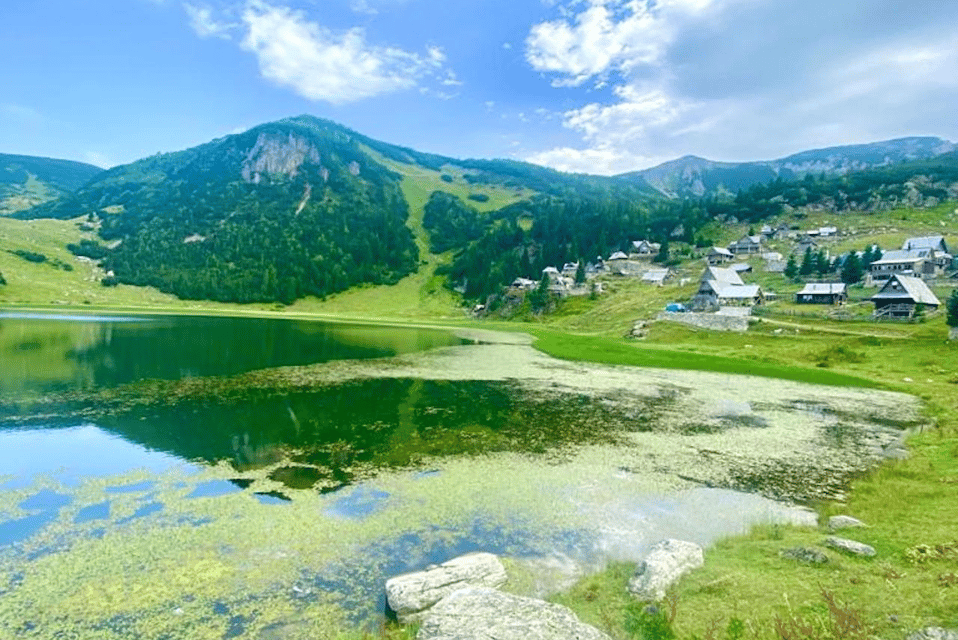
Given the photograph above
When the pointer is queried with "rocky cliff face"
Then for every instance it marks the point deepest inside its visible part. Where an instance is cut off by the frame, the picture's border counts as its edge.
(277, 154)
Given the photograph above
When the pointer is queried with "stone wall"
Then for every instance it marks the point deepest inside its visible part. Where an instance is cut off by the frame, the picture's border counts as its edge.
(711, 321)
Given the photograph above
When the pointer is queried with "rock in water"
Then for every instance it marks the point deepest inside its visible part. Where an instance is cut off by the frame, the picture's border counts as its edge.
(410, 594)
(844, 522)
(480, 613)
(667, 560)
(850, 546)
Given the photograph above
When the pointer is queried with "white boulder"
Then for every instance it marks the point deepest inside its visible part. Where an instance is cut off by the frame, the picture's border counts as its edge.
(480, 613)
(410, 594)
(666, 562)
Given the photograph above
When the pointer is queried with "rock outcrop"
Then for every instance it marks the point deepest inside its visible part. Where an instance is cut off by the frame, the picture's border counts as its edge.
(666, 562)
(481, 613)
(410, 594)
(850, 546)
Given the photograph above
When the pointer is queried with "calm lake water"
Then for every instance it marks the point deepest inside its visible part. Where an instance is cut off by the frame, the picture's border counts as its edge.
(154, 480)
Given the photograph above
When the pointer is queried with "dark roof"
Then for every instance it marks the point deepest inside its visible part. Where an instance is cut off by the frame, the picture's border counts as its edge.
(907, 288)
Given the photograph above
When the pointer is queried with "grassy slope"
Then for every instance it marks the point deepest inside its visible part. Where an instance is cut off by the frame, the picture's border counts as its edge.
(422, 294)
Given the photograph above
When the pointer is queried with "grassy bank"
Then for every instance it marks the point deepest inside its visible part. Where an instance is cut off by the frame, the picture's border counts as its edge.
(911, 505)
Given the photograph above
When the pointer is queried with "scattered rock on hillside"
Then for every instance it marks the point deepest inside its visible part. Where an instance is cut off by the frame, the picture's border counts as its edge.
(844, 522)
(666, 562)
(481, 613)
(849, 546)
(934, 633)
(805, 554)
(410, 594)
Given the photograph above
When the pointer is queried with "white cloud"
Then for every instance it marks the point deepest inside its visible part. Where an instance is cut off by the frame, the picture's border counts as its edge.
(608, 35)
(203, 23)
(597, 160)
(744, 79)
(320, 64)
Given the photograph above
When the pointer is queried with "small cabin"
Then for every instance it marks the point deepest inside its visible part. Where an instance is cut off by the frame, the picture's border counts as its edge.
(719, 255)
(823, 293)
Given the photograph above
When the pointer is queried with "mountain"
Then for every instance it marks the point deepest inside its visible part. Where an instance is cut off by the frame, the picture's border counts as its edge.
(695, 177)
(26, 181)
(304, 206)
(301, 206)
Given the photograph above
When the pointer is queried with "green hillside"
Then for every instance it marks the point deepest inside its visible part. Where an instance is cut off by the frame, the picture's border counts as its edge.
(26, 181)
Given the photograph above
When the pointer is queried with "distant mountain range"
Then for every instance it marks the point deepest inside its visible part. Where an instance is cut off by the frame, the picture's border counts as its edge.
(694, 177)
(305, 206)
(26, 181)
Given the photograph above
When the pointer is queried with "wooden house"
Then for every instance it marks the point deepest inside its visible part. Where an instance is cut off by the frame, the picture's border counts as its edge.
(644, 248)
(823, 293)
(942, 256)
(900, 295)
(746, 244)
(724, 287)
(718, 255)
(656, 277)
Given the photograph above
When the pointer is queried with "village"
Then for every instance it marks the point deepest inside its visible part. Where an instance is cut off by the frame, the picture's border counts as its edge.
(778, 270)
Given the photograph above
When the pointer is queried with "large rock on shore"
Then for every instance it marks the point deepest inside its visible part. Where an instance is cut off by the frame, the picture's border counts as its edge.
(410, 594)
(667, 560)
(480, 613)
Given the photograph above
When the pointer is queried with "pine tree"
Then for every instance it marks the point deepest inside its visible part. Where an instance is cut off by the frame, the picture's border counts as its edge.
(580, 272)
(822, 265)
(952, 308)
(808, 263)
(791, 268)
(852, 270)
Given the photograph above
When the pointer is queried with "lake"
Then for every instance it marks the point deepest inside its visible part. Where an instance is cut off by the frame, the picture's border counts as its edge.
(163, 476)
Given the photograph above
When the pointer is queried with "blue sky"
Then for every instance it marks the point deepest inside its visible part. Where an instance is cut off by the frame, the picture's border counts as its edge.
(601, 86)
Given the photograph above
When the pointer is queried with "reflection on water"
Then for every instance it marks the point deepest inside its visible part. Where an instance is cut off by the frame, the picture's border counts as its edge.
(48, 352)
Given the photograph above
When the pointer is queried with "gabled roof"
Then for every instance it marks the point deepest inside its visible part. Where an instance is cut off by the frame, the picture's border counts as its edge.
(720, 251)
(822, 288)
(905, 288)
(899, 255)
(618, 255)
(723, 276)
(739, 292)
(926, 242)
(741, 267)
(655, 275)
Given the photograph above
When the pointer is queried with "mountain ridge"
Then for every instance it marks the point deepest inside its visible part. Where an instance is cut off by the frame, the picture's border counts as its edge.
(694, 176)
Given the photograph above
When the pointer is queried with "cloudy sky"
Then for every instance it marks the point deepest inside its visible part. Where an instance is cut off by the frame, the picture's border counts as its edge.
(601, 86)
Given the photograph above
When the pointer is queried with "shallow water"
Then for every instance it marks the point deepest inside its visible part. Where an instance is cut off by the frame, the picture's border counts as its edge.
(151, 485)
